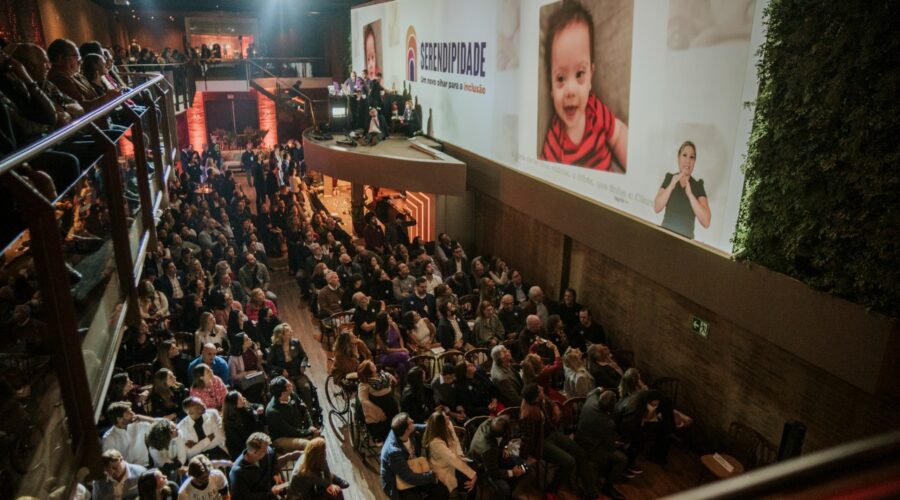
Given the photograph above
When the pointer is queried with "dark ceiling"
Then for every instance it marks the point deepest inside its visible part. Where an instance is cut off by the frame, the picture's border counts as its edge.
(228, 5)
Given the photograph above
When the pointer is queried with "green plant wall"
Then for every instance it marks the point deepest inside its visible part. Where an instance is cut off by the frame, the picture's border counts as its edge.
(822, 195)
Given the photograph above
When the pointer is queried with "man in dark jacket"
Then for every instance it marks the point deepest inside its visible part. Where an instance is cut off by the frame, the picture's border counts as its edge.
(452, 331)
(289, 421)
(486, 449)
(596, 434)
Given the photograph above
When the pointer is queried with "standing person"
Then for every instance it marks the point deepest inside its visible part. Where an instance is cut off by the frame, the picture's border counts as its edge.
(400, 446)
(683, 197)
(312, 479)
(596, 434)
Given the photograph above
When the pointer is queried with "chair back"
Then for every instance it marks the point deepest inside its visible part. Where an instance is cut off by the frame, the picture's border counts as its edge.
(451, 356)
(426, 362)
(342, 321)
(468, 305)
(141, 373)
(750, 447)
(570, 411)
(463, 436)
(185, 343)
(668, 386)
(481, 357)
(471, 426)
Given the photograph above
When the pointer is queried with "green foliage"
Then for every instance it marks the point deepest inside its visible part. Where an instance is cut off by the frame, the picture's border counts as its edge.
(822, 195)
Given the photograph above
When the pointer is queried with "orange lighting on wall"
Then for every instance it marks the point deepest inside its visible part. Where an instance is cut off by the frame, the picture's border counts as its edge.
(196, 122)
(421, 205)
(126, 147)
(267, 119)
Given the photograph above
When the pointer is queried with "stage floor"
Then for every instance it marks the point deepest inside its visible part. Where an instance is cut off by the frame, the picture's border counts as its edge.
(399, 146)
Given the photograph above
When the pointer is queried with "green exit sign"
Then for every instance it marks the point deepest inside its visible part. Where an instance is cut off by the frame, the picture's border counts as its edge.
(700, 327)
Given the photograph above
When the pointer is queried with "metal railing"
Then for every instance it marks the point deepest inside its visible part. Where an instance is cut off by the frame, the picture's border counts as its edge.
(61, 385)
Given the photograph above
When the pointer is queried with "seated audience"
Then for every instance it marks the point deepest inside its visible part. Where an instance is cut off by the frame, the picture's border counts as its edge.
(154, 485)
(289, 420)
(208, 387)
(286, 359)
(452, 330)
(167, 394)
(511, 316)
(240, 419)
(167, 448)
(202, 430)
(603, 367)
(208, 357)
(417, 399)
(587, 330)
(401, 445)
(312, 479)
(120, 480)
(507, 381)
(376, 397)
(420, 332)
(210, 333)
(253, 472)
(245, 367)
(488, 330)
(578, 379)
(444, 392)
(500, 469)
(445, 454)
(203, 481)
(128, 433)
(391, 351)
(474, 391)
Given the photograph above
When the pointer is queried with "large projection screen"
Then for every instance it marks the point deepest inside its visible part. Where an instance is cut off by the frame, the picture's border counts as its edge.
(637, 105)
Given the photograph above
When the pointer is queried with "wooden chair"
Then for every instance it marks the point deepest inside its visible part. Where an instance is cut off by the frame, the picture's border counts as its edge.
(668, 386)
(426, 362)
(451, 356)
(185, 343)
(468, 305)
(471, 427)
(333, 325)
(515, 430)
(463, 436)
(570, 412)
(480, 357)
(140, 374)
(748, 450)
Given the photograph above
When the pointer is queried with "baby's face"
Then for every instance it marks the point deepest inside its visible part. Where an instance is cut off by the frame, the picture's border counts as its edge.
(570, 74)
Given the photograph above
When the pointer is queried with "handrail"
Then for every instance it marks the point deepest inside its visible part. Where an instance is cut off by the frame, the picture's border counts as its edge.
(312, 111)
(803, 471)
(73, 128)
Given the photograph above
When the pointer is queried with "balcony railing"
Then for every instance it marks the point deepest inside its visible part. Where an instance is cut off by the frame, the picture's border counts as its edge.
(102, 227)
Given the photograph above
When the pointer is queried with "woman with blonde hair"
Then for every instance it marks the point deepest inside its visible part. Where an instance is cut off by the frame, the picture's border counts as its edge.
(167, 394)
(312, 479)
(208, 332)
(579, 381)
(286, 358)
(445, 454)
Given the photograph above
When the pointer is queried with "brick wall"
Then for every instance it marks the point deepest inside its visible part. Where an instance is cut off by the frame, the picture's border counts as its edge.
(732, 375)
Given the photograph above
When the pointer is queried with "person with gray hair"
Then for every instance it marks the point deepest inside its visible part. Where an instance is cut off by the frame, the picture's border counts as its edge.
(364, 318)
(329, 296)
(536, 304)
(504, 378)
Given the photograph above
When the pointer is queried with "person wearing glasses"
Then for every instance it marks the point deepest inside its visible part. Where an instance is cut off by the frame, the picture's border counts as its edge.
(65, 73)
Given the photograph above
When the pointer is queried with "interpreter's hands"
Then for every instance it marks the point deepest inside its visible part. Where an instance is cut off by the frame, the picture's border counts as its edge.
(470, 484)
(687, 189)
(333, 490)
(675, 179)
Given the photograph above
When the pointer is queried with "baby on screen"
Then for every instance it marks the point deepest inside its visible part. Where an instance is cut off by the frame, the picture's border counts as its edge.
(583, 131)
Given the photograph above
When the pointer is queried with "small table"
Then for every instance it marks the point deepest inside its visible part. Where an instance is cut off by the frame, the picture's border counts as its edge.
(718, 470)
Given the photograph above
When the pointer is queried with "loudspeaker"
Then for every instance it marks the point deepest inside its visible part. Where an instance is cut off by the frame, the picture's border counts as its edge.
(791, 440)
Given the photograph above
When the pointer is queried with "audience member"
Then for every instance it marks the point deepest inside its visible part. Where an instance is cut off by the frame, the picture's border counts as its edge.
(289, 420)
(120, 480)
(202, 430)
(253, 472)
(128, 433)
(203, 481)
(401, 445)
(445, 454)
(596, 434)
(312, 479)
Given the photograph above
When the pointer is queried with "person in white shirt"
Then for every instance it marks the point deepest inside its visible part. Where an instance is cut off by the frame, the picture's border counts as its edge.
(202, 430)
(204, 482)
(127, 433)
(445, 454)
(167, 448)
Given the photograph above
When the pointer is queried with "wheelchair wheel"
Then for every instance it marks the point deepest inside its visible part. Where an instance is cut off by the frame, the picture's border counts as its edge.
(336, 396)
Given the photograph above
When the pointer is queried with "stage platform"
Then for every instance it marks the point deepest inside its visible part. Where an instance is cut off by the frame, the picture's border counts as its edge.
(398, 162)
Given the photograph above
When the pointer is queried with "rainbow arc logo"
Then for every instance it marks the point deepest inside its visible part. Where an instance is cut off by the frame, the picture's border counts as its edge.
(412, 54)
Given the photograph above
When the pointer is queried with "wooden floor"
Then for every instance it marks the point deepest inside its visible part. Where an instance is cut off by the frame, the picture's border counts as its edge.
(684, 470)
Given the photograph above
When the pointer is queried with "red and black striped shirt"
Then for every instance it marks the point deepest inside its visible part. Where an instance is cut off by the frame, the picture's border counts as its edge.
(593, 149)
